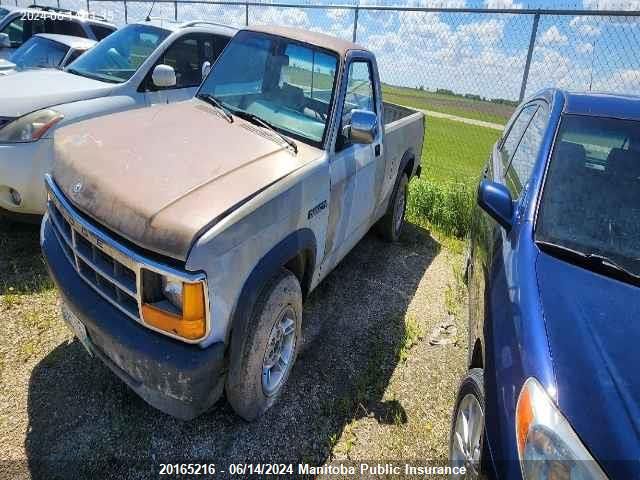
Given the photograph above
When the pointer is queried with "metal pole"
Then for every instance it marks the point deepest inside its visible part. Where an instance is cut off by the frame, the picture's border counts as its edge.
(175, 10)
(88, 8)
(126, 16)
(246, 14)
(355, 24)
(532, 44)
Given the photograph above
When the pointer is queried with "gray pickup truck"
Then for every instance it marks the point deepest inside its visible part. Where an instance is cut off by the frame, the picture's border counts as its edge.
(185, 238)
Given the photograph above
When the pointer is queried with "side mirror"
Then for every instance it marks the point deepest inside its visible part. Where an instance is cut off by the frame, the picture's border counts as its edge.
(206, 68)
(364, 127)
(164, 76)
(495, 199)
(5, 41)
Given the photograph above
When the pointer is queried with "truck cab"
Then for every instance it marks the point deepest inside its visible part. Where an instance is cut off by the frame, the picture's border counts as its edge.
(217, 217)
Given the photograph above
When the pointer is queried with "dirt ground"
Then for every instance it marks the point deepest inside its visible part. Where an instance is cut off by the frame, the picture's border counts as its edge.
(367, 386)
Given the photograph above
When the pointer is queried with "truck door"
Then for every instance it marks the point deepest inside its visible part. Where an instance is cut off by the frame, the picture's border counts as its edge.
(356, 170)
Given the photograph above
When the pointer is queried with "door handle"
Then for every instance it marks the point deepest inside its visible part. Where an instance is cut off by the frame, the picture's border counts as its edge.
(377, 150)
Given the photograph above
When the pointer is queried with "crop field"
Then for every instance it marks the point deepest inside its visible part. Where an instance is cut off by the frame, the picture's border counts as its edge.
(450, 104)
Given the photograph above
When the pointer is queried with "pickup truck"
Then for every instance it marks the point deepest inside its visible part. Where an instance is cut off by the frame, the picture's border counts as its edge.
(141, 65)
(184, 239)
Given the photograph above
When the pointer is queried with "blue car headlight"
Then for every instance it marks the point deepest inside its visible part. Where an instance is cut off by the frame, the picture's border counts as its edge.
(548, 448)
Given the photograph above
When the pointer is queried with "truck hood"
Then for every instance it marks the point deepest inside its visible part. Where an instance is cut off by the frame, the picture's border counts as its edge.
(25, 92)
(593, 328)
(159, 176)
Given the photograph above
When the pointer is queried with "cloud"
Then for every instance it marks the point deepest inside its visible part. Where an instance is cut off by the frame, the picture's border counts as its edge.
(611, 4)
(586, 26)
(506, 4)
(584, 48)
(553, 36)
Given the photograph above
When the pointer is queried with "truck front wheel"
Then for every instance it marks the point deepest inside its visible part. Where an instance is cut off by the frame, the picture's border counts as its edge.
(272, 338)
(390, 226)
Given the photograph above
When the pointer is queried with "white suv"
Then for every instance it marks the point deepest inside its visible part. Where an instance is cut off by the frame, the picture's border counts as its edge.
(17, 25)
(140, 65)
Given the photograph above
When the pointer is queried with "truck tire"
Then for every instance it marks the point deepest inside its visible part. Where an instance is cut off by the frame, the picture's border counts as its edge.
(271, 340)
(466, 440)
(391, 224)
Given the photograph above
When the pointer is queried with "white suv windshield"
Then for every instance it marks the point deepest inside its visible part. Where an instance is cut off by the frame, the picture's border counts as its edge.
(39, 52)
(287, 84)
(118, 57)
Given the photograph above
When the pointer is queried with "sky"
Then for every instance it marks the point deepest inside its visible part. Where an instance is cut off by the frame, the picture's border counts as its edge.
(481, 54)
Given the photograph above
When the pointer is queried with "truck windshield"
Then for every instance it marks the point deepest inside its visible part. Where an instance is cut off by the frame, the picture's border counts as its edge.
(39, 52)
(118, 57)
(285, 83)
(591, 200)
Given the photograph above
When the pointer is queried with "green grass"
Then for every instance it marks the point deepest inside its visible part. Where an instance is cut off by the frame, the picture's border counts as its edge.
(455, 151)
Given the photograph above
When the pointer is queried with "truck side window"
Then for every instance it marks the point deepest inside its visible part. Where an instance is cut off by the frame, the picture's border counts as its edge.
(359, 96)
(512, 140)
(524, 159)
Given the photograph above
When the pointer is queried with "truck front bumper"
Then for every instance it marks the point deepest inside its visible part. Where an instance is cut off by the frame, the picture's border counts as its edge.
(179, 379)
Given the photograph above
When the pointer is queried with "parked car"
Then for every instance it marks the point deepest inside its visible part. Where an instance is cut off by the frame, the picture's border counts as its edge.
(184, 240)
(553, 296)
(17, 25)
(140, 65)
(46, 50)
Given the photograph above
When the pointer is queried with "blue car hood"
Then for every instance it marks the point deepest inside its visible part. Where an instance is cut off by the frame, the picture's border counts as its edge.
(593, 328)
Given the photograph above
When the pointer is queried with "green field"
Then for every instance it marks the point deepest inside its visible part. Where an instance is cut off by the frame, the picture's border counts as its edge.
(455, 151)
(449, 104)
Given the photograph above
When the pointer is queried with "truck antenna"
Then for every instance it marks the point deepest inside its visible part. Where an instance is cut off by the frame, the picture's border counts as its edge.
(148, 19)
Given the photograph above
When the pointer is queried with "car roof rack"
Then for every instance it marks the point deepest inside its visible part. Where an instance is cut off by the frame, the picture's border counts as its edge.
(74, 13)
(194, 23)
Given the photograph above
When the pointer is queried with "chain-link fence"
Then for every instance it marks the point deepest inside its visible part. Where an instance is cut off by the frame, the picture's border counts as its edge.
(467, 68)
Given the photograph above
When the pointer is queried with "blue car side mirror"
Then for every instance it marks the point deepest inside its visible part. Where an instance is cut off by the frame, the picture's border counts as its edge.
(495, 199)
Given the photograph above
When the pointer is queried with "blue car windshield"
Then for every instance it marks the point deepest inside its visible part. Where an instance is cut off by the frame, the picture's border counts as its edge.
(287, 84)
(591, 199)
(116, 58)
(39, 52)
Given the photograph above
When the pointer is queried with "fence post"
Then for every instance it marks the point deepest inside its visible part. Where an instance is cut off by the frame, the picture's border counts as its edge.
(355, 24)
(126, 16)
(175, 10)
(532, 43)
(246, 13)
(88, 7)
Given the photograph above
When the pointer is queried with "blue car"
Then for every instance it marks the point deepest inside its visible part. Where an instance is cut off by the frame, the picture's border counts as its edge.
(553, 390)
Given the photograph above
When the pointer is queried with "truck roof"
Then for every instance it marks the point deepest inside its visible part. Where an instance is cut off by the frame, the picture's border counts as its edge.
(329, 42)
(603, 105)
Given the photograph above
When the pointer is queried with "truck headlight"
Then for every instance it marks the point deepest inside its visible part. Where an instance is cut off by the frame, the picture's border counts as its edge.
(30, 127)
(548, 448)
(174, 306)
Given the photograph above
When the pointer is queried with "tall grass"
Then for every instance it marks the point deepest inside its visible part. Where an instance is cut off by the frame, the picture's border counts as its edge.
(447, 206)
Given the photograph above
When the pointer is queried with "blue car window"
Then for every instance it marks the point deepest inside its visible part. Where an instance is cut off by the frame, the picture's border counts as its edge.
(524, 159)
(591, 197)
(516, 131)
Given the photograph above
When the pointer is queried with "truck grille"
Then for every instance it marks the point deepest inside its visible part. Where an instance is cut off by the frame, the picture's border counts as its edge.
(115, 279)
(111, 268)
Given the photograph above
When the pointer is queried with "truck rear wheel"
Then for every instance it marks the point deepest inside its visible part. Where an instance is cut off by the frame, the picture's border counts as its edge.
(390, 226)
(272, 339)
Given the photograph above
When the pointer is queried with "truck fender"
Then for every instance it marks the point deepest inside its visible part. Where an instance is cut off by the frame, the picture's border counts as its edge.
(302, 240)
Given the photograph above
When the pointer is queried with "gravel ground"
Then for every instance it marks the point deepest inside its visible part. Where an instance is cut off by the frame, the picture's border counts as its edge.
(367, 386)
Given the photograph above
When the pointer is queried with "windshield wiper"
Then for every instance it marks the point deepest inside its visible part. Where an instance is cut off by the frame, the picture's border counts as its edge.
(256, 119)
(590, 259)
(92, 77)
(213, 101)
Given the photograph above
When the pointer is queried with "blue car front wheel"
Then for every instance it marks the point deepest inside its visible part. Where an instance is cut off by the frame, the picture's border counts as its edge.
(467, 427)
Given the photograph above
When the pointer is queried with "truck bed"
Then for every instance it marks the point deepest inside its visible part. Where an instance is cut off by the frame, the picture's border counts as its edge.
(404, 130)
